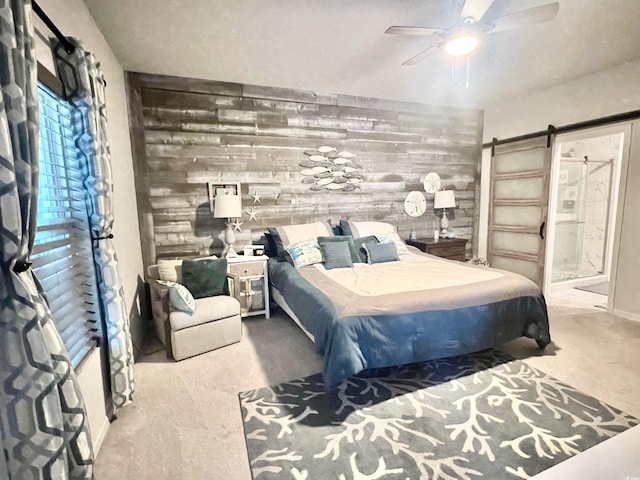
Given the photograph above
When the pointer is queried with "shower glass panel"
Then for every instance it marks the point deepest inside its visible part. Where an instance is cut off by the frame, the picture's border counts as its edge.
(583, 206)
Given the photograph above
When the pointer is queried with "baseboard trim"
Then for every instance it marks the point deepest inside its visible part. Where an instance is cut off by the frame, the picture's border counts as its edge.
(626, 315)
(101, 435)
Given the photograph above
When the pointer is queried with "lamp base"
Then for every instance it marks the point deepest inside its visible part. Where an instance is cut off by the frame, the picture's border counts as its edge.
(230, 253)
(229, 240)
(444, 223)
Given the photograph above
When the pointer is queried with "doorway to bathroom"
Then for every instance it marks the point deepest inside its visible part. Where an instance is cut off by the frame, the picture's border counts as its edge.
(583, 199)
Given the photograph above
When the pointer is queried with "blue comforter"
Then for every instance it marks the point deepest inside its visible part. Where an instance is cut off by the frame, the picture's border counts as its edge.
(355, 343)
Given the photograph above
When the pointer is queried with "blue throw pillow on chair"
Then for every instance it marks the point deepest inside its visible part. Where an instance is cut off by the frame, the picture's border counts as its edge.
(180, 297)
(205, 278)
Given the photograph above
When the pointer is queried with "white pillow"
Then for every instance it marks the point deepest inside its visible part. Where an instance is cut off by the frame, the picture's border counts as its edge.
(180, 297)
(292, 234)
(363, 229)
(170, 270)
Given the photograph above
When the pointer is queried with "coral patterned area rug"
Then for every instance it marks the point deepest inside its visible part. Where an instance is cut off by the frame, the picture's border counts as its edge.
(479, 416)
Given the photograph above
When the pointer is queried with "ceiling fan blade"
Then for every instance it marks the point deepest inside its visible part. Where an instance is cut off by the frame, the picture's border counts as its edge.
(523, 18)
(399, 30)
(475, 9)
(423, 54)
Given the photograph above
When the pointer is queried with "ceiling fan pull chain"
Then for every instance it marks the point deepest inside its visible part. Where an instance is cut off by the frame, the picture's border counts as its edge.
(466, 84)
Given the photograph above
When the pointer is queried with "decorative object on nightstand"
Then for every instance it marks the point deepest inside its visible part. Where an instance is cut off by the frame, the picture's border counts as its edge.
(450, 248)
(444, 199)
(228, 206)
(249, 284)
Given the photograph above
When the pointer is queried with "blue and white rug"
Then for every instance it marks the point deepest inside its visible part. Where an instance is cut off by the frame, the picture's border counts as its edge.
(480, 416)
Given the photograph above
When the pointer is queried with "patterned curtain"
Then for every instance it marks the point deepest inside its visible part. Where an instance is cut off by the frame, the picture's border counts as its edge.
(84, 86)
(44, 431)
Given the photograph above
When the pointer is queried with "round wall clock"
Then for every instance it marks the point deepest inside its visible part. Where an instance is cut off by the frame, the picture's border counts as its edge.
(415, 204)
(432, 182)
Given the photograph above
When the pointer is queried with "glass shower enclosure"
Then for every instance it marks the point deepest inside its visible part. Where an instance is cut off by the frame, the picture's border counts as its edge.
(585, 200)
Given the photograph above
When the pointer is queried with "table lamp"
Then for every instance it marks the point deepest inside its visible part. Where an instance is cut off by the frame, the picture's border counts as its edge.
(228, 206)
(444, 199)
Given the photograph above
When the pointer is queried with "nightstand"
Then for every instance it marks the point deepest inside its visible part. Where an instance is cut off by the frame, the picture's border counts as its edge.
(249, 284)
(450, 248)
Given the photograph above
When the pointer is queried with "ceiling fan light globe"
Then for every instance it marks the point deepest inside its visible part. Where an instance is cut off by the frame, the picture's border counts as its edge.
(461, 45)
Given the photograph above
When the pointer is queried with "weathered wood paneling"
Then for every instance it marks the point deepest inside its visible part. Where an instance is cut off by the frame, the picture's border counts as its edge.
(189, 132)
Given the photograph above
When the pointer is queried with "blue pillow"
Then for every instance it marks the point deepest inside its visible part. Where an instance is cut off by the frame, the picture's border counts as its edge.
(277, 241)
(270, 247)
(359, 242)
(179, 297)
(401, 247)
(348, 239)
(205, 278)
(381, 252)
(334, 228)
(345, 228)
(336, 255)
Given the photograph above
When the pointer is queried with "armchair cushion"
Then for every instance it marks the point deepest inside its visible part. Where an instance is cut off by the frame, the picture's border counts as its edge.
(205, 278)
(206, 310)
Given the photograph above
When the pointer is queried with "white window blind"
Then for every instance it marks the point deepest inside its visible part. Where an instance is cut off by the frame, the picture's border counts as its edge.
(62, 256)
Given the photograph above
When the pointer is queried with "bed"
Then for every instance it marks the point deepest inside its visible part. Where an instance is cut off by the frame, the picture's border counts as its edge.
(418, 308)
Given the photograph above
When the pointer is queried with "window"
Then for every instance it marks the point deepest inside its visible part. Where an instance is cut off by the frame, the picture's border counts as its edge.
(62, 255)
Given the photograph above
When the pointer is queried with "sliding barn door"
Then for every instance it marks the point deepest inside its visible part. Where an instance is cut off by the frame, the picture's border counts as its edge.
(518, 206)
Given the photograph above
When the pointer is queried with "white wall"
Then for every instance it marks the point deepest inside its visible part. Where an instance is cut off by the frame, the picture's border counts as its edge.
(626, 301)
(604, 93)
(73, 19)
(91, 386)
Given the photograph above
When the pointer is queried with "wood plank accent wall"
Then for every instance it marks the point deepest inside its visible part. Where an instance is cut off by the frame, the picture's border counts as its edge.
(187, 132)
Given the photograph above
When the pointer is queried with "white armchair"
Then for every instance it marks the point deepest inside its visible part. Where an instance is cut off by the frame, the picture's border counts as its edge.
(214, 323)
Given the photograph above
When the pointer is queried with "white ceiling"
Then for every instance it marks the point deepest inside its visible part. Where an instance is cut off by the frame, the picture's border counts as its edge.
(339, 46)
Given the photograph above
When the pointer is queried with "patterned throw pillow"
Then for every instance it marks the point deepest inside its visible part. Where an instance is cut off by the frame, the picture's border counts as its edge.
(381, 252)
(304, 253)
(179, 297)
(395, 238)
(336, 255)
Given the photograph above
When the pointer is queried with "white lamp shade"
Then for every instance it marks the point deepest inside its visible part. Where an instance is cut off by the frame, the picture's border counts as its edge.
(444, 199)
(227, 206)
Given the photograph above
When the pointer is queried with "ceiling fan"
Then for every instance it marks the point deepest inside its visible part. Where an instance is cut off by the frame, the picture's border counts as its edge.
(464, 36)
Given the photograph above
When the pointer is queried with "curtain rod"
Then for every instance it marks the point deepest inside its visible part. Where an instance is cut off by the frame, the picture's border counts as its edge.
(68, 46)
(620, 117)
